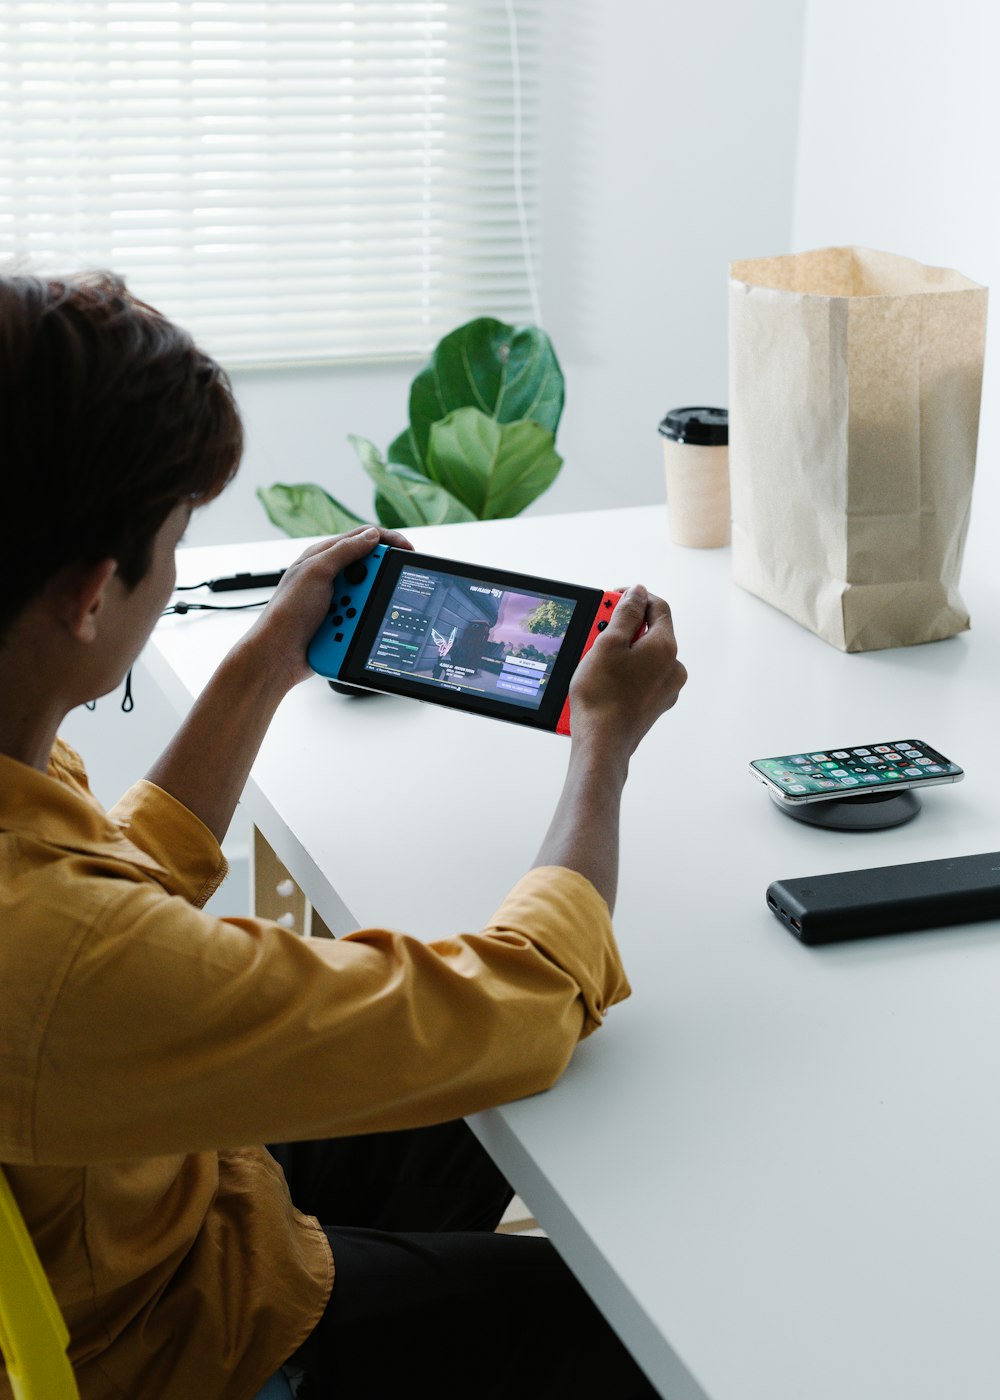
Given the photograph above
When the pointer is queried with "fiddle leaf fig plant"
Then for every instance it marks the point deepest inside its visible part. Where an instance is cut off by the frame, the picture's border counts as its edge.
(509, 374)
(494, 469)
(480, 443)
(307, 510)
(403, 496)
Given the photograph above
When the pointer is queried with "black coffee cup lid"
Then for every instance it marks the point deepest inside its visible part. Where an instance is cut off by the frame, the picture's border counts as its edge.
(709, 427)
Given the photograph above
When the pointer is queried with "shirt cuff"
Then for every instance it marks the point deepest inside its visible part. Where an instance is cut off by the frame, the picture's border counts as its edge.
(561, 912)
(177, 840)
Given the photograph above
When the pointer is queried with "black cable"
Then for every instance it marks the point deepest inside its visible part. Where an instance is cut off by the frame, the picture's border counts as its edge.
(184, 607)
(128, 703)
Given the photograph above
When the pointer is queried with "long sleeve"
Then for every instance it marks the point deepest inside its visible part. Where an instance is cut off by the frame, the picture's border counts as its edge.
(174, 1031)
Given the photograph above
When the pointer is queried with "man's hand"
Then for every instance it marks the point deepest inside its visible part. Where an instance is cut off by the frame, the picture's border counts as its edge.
(301, 600)
(630, 676)
(207, 763)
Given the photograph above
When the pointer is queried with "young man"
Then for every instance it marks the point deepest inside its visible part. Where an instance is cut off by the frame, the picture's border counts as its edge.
(145, 1042)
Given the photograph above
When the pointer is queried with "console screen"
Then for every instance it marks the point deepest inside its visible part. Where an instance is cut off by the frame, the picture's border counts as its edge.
(470, 636)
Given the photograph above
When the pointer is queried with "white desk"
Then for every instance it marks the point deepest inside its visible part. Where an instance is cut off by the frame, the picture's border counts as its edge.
(777, 1170)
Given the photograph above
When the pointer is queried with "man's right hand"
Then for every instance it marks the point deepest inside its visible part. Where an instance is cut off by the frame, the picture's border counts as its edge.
(626, 680)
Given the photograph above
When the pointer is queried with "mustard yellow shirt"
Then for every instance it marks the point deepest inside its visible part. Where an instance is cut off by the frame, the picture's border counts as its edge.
(144, 1043)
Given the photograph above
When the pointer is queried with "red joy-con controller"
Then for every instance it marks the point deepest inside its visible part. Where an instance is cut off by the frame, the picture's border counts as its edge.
(604, 610)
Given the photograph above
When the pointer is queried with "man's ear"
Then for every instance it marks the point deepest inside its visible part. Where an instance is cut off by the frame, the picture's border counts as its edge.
(78, 594)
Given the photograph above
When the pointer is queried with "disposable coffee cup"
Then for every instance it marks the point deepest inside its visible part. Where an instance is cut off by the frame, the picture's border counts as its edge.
(696, 462)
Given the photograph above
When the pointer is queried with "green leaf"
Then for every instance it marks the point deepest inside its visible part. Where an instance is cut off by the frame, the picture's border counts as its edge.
(305, 509)
(385, 512)
(403, 451)
(387, 515)
(495, 469)
(507, 372)
(406, 495)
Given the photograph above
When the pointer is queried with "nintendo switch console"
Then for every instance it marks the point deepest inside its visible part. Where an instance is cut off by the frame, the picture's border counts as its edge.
(479, 639)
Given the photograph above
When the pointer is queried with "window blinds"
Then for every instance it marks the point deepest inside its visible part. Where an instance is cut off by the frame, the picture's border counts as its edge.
(290, 181)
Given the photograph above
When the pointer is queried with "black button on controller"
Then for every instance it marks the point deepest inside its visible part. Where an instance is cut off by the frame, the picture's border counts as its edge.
(602, 624)
(338, 619)
(356, 572)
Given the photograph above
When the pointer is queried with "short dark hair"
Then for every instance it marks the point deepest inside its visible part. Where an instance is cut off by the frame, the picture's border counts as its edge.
(110, 417)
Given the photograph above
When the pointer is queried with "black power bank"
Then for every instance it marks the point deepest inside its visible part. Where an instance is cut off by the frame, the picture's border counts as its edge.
(889, 898)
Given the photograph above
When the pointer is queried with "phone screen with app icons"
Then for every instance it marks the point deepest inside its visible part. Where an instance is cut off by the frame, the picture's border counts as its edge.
(845, 772)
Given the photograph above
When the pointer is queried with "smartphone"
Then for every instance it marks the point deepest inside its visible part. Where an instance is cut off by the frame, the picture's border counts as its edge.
(822, 774)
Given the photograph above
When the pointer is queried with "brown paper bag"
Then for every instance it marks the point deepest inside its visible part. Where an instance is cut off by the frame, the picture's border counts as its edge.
(855, 380)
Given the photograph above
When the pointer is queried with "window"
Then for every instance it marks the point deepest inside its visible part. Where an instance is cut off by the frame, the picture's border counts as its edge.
(290, 181)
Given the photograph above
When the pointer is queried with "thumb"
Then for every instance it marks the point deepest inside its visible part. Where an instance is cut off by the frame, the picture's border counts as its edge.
(630, 613)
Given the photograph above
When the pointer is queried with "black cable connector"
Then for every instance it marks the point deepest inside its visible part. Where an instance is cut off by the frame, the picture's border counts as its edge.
(229, 583)
(185, 607)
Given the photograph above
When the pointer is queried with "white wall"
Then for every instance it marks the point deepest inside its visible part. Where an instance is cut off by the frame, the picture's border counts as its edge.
(668, 151)
(898, 150)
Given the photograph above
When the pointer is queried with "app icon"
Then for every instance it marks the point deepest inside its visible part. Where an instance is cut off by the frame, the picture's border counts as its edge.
(848, 782)
(881, 748)
(796, 787)
(840, 753)
(861, 753)
(870, 778)
(934, 768)
(819, 757)
(838, 773)
(913, 772)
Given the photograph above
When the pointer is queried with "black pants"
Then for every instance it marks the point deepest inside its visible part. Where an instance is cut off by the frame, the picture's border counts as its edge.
(426, 1298)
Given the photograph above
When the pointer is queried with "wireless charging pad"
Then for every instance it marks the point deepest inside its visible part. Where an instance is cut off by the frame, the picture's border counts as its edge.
(871, 812)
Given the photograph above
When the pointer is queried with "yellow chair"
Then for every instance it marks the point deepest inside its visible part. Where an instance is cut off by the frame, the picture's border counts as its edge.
(33, 1336)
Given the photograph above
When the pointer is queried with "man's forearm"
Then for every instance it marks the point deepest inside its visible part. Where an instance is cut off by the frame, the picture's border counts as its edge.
(207, 763)
(584, 831)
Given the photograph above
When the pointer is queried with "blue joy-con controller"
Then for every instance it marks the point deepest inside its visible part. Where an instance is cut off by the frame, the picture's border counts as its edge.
(351, 588)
